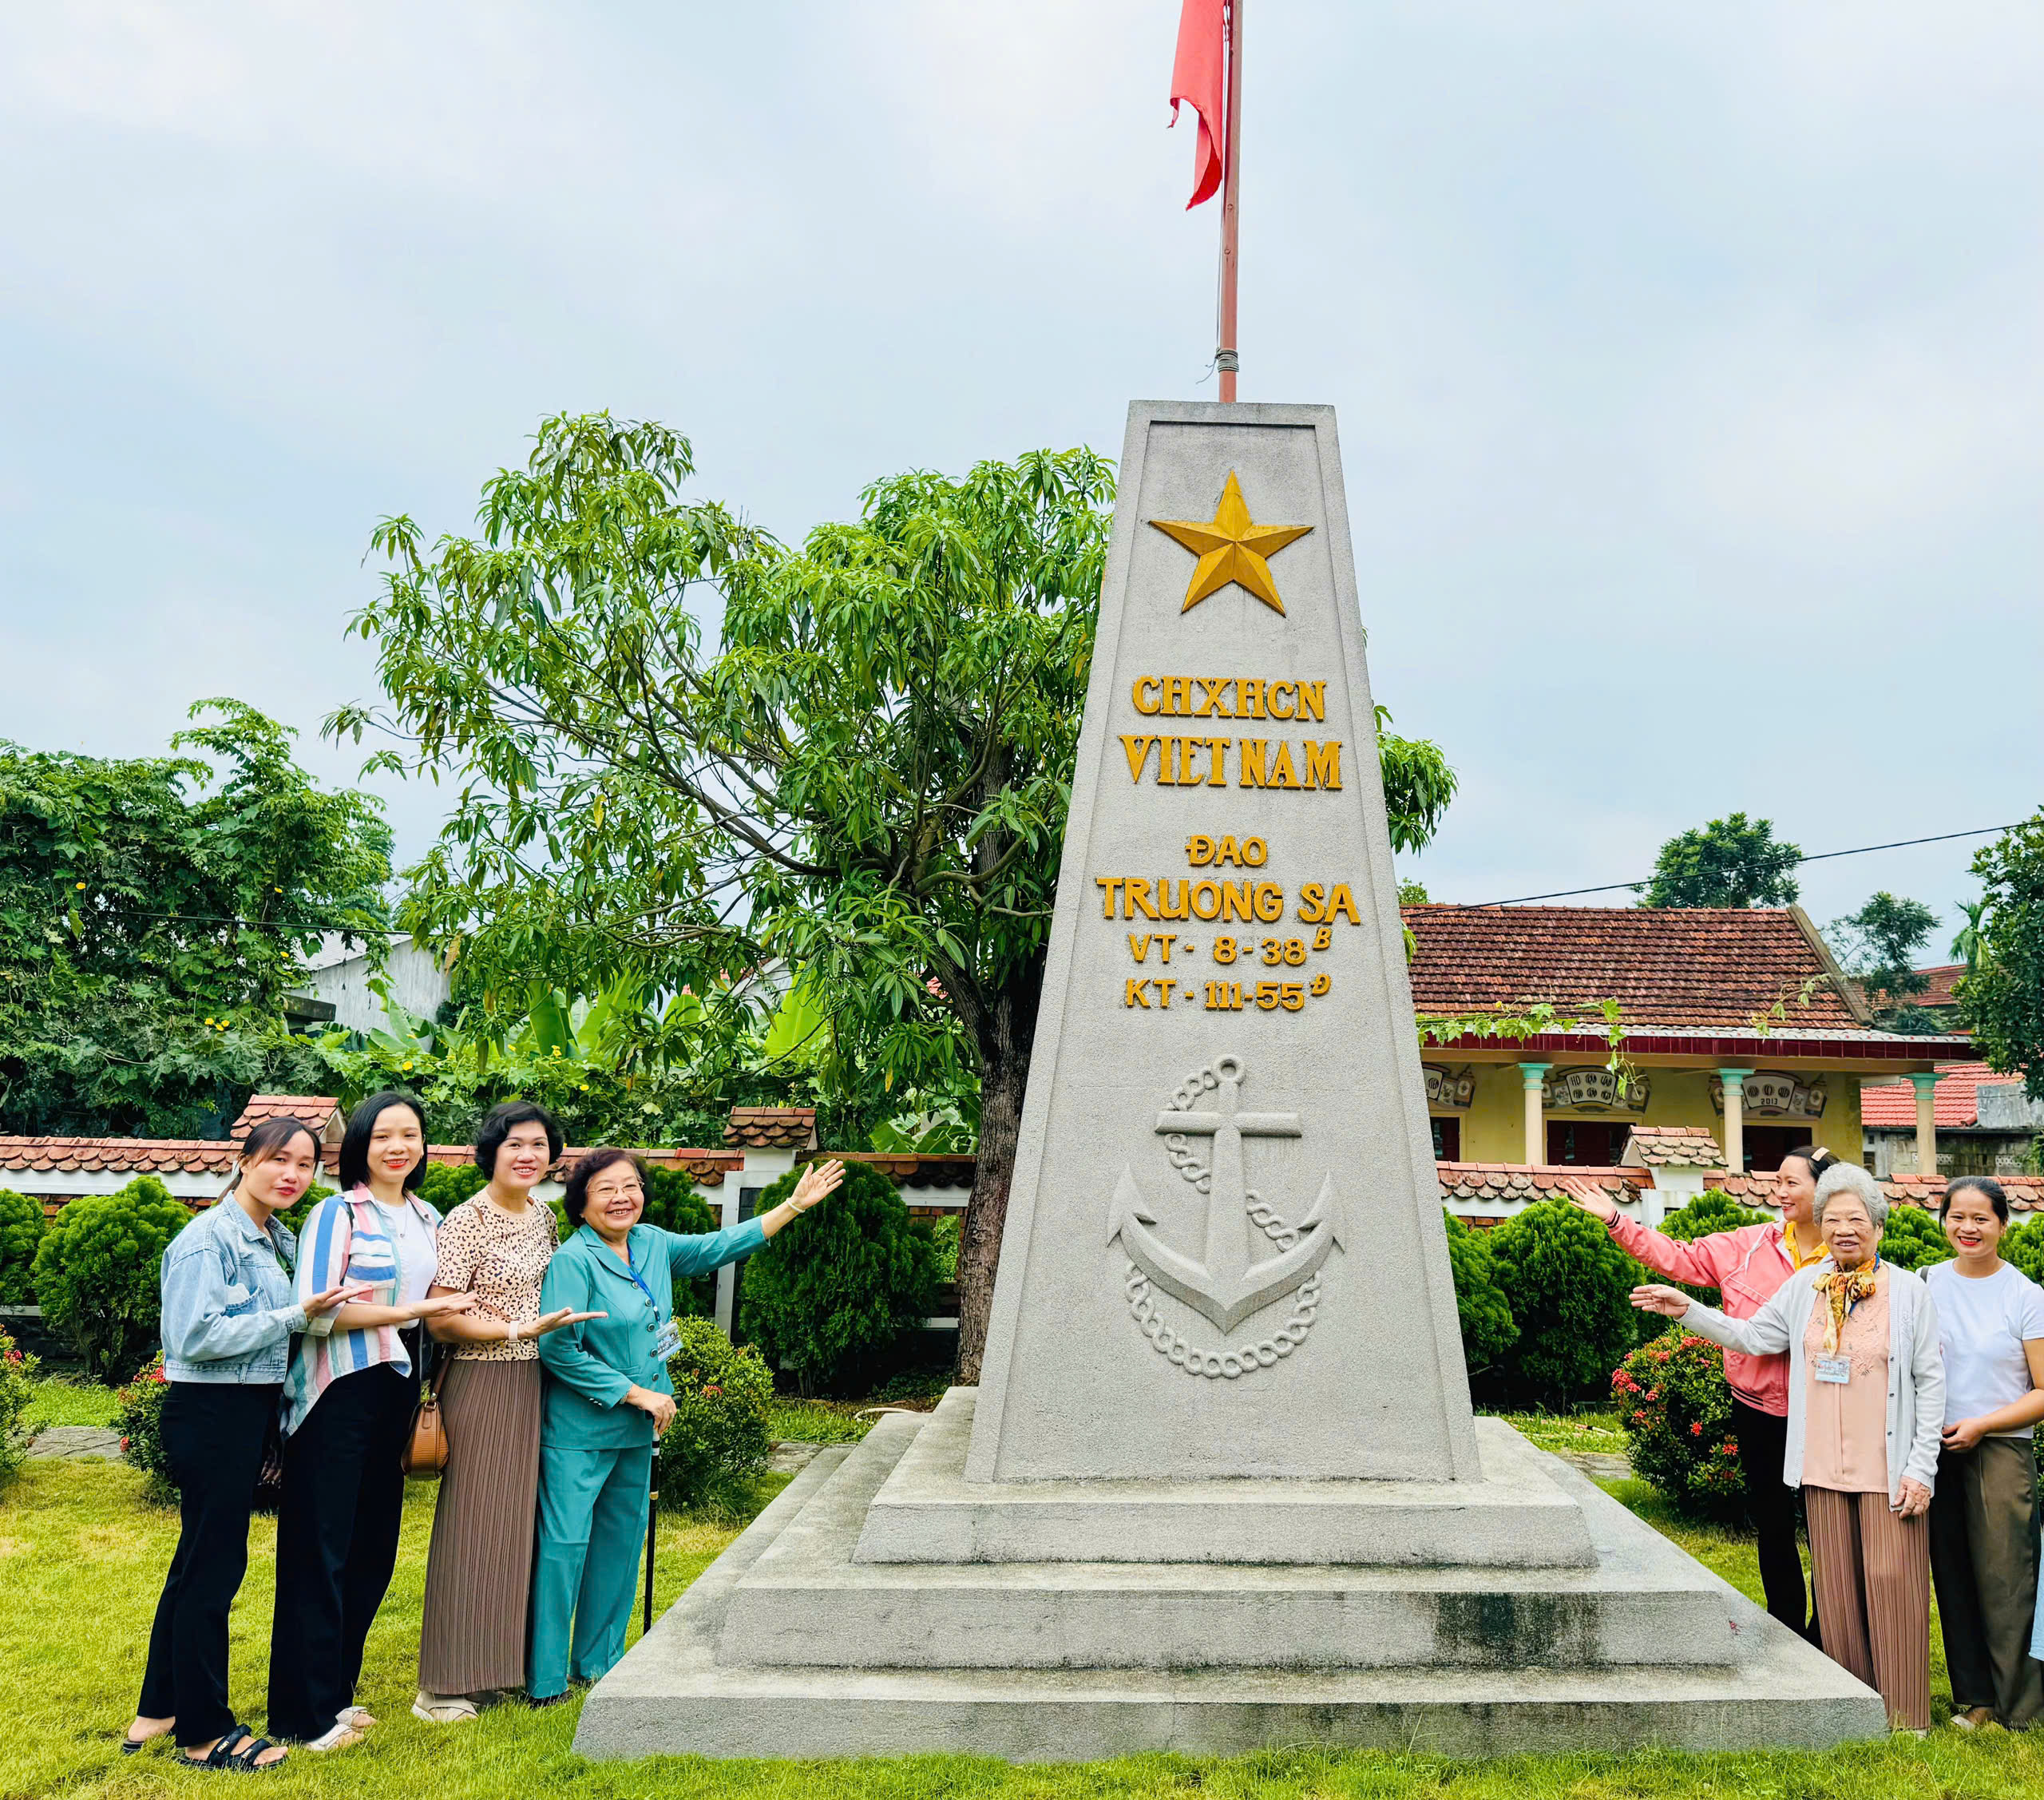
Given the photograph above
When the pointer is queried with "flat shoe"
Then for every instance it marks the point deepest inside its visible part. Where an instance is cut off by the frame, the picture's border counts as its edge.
(449, 1709)
(342, 1737)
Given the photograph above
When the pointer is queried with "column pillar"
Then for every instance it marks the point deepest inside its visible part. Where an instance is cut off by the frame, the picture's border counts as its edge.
(1735, 1118)
(1532, 1074)
(1925, 1080)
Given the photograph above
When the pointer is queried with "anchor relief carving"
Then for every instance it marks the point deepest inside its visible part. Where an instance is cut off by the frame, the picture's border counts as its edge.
(1230, 1282)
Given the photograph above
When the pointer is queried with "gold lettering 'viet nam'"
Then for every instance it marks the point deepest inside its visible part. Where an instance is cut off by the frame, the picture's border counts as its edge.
(1230, 548)
(1198, 762)
(1228, 697)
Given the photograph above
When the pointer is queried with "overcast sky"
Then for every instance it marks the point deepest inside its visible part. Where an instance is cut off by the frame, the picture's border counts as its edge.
(1690, 361)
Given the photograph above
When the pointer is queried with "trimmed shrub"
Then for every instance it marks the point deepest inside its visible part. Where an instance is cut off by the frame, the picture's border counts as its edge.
(21, 1231)
(1677, 1413)
(446, 1185)
(1488, 1329)
(2023, 1245)
(719, 1437)
(1913, 1240)
(138, 1411)
(1569, 1287)
(97, 1271)
(833, 1294)
(17, 1390)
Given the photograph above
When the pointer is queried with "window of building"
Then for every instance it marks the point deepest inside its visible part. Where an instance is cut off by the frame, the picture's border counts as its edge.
(1586, 1143)
(1447, 1139)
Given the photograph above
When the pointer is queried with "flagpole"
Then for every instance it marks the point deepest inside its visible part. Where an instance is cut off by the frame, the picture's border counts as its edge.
(1225, 358)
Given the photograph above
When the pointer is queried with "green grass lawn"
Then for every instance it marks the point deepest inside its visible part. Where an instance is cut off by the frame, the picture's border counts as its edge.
(82, 1556)
(62, 1400)
(1566, 1432)
(816, 1421)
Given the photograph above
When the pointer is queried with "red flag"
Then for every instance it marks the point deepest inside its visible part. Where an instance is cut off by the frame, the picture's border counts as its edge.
(1196, 78)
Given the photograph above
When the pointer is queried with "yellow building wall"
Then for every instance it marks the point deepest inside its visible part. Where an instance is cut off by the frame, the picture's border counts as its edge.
(1494, 1127)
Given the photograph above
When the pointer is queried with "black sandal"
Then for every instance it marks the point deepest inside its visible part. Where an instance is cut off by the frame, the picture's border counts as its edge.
(225, 1755)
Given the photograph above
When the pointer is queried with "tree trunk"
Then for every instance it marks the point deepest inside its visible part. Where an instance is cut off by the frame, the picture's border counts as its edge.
(1005, 1045)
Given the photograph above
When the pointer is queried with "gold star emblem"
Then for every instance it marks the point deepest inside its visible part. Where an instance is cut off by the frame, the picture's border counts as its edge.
(1230, 548)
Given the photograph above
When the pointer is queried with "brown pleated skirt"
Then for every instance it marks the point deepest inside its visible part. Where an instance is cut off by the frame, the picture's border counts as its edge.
(479, 1573)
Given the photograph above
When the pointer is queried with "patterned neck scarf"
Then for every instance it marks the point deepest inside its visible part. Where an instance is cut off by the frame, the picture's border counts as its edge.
(1798, 1257)
(1845, 1289)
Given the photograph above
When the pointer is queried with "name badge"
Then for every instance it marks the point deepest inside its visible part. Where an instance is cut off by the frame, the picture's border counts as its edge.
(668, 1342)
(1836, 1370)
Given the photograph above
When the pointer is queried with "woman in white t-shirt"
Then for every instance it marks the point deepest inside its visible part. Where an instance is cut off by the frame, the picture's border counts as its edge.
(1984, 1550)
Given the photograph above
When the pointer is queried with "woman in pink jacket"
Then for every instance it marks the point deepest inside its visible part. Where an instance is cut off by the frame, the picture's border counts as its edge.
(1747, 1267)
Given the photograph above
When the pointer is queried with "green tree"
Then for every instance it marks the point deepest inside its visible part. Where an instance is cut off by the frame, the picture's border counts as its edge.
(1731, 862)
(1488, 1329)
(97, 1269)
(1879, 946)
(864, 782)
(1966, 946)
(830, 1296)
(1570, 1287)
(2002, 997)
(152, 915)
(21, 1233)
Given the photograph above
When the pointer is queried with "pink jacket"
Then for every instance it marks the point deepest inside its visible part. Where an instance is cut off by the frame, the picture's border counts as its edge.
(1747, 1267)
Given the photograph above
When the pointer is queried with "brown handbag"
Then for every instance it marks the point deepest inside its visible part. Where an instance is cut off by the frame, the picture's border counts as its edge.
(425, 1454)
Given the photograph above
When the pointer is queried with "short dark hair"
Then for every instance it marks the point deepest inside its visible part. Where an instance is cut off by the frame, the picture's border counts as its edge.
(265, 1139)
(575, 1195)
(354, 1140)
(497, 1125)
(1986, 1184)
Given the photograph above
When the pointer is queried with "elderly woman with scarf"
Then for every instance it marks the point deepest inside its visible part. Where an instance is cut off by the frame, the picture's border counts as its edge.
(1865, 1413)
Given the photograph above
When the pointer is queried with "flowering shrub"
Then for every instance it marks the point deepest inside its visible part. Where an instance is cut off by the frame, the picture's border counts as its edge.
(138, 1411)
(17, 1389)
(719, 1436)
(1677, 1412)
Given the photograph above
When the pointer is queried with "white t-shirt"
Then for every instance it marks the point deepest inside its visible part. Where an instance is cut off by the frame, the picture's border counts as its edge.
(417, 1256)
(1983, 1324)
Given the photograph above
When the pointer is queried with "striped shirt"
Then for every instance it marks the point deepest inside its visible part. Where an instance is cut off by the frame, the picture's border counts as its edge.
(345, 1240)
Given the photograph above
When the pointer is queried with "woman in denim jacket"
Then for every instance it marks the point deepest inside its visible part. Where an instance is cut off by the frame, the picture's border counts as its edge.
(229, 1315)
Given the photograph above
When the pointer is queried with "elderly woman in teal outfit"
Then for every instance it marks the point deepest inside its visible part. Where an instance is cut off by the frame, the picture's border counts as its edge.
(609, 1399)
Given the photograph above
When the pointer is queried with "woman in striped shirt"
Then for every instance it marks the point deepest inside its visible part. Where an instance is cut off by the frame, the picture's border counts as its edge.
(347, 1408)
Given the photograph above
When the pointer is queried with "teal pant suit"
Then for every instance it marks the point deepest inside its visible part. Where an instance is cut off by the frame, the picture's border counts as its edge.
(595, 1453)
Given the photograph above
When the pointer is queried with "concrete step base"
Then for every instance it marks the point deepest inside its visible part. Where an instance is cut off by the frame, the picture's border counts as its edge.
(807, 1601)
(671, 1694)
(927, 1512)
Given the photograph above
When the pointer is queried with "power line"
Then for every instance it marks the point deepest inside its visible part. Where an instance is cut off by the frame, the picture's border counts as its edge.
(1821, 856)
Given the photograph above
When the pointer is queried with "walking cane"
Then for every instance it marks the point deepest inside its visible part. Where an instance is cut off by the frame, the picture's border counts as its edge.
(652, 1527)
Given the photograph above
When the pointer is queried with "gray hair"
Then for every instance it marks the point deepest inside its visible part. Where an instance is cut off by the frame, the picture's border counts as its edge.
(1850, 1178)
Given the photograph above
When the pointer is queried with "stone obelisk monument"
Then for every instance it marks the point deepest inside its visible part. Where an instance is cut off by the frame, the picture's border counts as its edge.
(1220, 1486)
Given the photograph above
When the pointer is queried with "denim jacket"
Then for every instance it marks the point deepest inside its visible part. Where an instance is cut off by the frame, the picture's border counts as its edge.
(229, 1312)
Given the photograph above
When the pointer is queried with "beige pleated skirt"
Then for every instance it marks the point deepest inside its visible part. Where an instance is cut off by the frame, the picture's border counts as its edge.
(479, 1573)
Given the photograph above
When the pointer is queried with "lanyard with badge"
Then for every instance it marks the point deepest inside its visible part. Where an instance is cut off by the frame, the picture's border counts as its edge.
(1837, 1371)
(667, 1338)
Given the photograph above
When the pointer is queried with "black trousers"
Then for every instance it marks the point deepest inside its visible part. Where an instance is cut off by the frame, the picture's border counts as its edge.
(213, 1434)
(337, 1544)
(1763, 1445)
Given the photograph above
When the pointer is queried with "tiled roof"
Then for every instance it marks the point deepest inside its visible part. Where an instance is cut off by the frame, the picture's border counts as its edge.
(915, 1171)
(144, 1156)
(321, 1112)
(1892, 1105)
(1514, 1184)
(772, 1128)
(1690, 1147)
(1938, 993)
(1691, 968)
(709, 1167)
(2025, 1192)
